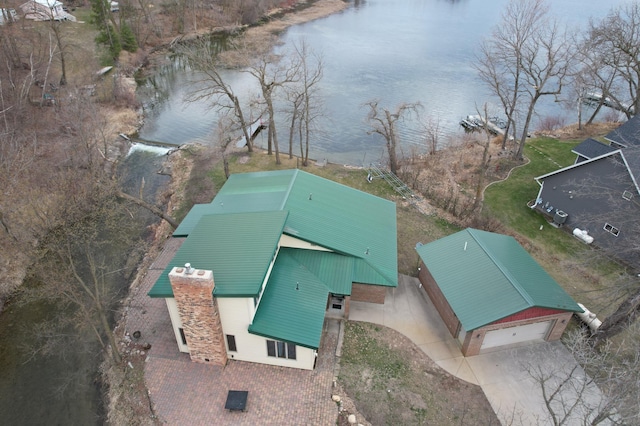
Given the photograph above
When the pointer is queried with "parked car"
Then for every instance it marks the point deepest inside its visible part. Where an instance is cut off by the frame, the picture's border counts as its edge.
(115, 7)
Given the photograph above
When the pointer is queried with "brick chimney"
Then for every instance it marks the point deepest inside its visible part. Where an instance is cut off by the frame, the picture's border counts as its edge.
(198, 310)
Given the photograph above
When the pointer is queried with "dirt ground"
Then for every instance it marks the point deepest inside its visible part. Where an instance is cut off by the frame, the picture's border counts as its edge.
(391, 381)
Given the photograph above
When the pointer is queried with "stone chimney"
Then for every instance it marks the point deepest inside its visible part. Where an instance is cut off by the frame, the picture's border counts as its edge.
(198, 310)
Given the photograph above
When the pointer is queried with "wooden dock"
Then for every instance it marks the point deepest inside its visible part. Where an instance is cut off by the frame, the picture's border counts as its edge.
(472, 123)
(254, 129)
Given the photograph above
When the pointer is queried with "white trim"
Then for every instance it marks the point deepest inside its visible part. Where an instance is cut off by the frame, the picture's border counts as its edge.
(611, 229)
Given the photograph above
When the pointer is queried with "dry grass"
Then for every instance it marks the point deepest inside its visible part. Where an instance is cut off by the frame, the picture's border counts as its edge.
(393, 382)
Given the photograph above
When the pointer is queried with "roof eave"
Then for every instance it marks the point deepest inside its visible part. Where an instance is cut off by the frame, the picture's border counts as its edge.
(269, 336)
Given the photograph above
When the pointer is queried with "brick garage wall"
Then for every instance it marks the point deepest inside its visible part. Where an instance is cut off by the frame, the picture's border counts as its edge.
(368, 293)
(473, 339)
(430, 286)
(558, 328)
(199, 315)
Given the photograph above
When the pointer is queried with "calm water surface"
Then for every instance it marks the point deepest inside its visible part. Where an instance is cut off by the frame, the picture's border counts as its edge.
(395, 51)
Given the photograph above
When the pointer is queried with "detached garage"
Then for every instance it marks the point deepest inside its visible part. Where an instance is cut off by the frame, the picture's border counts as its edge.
(490, 292)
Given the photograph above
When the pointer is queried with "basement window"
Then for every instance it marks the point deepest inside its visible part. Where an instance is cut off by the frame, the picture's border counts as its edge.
(611, 229)
(231, 343)
(627, 195)
(182, 336)
(279, 349)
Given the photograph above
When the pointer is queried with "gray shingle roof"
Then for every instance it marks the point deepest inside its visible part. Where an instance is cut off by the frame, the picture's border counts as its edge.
(591, 148)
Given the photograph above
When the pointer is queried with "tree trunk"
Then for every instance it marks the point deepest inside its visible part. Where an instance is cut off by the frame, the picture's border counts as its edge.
(243, 124)
(149, 207)
(525, 130)
(627, 313)
(115, 354)
(391, 144)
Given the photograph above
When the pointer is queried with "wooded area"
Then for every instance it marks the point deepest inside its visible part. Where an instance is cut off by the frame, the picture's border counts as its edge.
(59, 145)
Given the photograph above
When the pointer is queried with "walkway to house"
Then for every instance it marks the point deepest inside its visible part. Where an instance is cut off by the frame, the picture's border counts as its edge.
(184, 392)
(513, 393)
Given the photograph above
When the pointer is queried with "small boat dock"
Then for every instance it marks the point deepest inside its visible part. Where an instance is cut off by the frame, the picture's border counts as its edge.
(253, 131)
(474, 123)
(593, 99)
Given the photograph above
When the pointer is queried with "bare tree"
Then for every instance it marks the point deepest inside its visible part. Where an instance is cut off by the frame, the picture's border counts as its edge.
(616, 41)
(433, 133)
(203, 56)
(384, 122)
(484, 163)
(526, 58)
(604, 387)
(273, 71)
(306, 94)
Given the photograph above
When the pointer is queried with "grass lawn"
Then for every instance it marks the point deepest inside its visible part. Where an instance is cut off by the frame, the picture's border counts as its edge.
(580, 269)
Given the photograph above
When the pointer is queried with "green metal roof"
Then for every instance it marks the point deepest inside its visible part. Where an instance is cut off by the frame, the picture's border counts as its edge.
(245, 244)
(242, 193)
(334, 270)
(345, 220)
(321, 211)
(486, 277)
(293, 305)
(236, 236)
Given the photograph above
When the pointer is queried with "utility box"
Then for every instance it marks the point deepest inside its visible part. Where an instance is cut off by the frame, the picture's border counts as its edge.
(560, 217)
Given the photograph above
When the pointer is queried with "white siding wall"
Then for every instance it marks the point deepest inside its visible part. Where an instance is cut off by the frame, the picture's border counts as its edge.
(288, 241)
(176, 323)
(235, 314)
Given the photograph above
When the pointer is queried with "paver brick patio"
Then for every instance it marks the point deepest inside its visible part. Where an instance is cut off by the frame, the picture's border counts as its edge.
(183, 392)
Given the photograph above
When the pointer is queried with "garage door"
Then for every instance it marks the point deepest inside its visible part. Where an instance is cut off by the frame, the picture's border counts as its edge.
(511, 335)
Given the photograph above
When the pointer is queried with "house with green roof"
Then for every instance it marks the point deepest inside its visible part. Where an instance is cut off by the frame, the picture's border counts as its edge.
(268, 259)
(490, 292)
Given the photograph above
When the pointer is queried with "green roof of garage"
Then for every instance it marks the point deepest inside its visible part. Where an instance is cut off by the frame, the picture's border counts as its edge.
(293, 305)
(245, 244)
(486, 277)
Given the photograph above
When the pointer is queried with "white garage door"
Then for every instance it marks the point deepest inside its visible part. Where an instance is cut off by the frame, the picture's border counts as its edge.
(511, 335)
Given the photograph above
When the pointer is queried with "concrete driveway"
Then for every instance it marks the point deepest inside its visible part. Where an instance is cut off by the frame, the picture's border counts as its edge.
(504, 375)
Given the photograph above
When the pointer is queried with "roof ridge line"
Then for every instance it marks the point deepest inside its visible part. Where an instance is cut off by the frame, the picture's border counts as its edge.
(507, 274)
(631, 174)
(286, 195)
(294, 259)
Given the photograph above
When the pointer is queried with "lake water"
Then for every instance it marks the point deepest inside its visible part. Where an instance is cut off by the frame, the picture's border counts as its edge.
(395, 51)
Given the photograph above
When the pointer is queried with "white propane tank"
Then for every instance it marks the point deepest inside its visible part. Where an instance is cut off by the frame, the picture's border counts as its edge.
(589, 318)
(583, 235)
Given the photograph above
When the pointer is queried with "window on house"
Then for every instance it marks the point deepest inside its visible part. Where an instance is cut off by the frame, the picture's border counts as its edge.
(182, 336)
(231, 343)
(627, 195)
(611, 229)
(279, 349)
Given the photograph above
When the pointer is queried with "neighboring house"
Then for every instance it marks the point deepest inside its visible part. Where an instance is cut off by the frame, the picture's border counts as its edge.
(599, 193)
(286, 248)
(490, 292)
(45, 10)
(8, 15)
